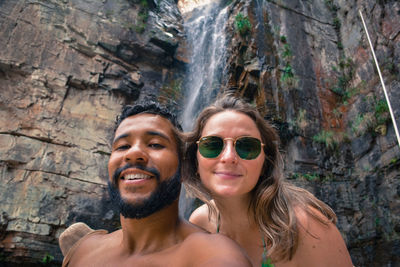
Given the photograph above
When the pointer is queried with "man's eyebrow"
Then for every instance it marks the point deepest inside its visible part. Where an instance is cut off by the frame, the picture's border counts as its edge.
(158, 134)
(120, 137)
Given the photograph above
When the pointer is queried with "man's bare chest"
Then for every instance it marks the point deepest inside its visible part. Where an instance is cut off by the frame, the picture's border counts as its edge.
(170, 257)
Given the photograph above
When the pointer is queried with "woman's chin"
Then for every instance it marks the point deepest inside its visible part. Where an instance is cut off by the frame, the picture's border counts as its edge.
(226, 192)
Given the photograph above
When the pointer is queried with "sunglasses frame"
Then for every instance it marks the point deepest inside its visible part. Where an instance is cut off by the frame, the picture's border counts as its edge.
(234, 144)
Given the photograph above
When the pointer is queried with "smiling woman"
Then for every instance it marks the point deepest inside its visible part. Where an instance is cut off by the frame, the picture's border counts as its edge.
(228, 174)
(232, 163)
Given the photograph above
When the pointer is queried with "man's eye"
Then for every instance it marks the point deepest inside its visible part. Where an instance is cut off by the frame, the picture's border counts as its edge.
(123, 147)
(156, 146)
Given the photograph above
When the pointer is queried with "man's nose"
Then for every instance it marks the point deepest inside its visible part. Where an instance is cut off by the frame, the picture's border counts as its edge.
(228, 153)
(135, 154)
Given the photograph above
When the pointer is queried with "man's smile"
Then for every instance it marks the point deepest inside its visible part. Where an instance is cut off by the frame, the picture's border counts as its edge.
(135, 174)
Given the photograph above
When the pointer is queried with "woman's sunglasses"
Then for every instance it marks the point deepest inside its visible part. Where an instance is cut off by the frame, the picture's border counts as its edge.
(246, 147)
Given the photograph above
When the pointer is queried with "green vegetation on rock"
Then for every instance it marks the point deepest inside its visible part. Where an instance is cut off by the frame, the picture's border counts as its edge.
(242, 23)
(327, 138)
(48, 258)
(287, 76)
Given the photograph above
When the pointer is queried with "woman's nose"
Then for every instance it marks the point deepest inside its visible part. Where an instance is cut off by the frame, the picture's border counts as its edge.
(228, 154)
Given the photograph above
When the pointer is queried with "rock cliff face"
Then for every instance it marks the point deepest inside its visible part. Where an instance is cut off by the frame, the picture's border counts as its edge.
(66, 67)
(308, 67)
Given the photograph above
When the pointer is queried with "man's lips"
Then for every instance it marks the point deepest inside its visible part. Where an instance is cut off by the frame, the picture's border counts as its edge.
(135, 174)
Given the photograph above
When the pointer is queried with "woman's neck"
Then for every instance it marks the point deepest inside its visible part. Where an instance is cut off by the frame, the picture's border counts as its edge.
(237, 222)
(234, 215)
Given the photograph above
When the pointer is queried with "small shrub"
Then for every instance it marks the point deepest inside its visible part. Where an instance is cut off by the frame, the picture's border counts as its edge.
(140, 27)
(47, 258)
(287, 52)
(301, 119)
(381, 111)
(109, 13)
(331, 6)
(288, 78)
(144, 4)
(336, 23)
(142, 17)
(345, 75)
(327, 138)
(346, 63)
(243, 25)
(228, 2)
(336, 113)
(356, 123)
(381, 107)
(287, 72)
(311, 176)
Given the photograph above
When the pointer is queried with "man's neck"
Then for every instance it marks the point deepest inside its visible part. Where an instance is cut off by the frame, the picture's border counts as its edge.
(153, 233)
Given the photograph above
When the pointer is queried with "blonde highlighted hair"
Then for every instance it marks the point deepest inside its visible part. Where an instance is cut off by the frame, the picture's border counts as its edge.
(273, 200)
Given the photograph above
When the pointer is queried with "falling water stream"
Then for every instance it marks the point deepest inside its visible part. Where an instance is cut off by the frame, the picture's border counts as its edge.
(205, 33)
(206, 42)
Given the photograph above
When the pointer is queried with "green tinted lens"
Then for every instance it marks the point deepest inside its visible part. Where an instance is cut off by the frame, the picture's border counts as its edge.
(210, 146)
(248, 147)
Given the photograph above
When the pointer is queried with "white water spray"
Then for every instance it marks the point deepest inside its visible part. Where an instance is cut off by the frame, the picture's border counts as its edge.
(206, 38)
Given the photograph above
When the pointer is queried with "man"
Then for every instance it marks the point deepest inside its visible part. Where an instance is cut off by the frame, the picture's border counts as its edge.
(144, 181)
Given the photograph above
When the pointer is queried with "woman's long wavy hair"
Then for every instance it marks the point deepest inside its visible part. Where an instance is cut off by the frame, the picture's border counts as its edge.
(273, 200)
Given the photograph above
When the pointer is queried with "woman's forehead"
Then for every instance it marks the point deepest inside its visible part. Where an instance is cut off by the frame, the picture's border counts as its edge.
(231, 122)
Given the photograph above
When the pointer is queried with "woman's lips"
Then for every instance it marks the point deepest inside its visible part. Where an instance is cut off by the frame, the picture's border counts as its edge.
(227, 174)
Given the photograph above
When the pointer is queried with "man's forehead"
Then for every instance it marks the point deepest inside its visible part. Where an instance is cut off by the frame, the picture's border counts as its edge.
(145, 122)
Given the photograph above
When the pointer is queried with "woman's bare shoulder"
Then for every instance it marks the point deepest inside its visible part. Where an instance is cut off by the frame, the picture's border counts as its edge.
(206, 249)
(200, 218)
(320, 242)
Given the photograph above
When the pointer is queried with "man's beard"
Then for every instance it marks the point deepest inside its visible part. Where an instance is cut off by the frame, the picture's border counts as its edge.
(166, 192)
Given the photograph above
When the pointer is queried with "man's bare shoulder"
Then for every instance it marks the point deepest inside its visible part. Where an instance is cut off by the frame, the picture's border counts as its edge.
(93, 246)
(204, 249)
(73, 235)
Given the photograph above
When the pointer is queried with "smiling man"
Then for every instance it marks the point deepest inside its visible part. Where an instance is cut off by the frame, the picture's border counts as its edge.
(144, 182)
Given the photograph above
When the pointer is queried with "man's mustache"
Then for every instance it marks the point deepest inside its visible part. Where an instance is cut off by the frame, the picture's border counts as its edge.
(118, 171)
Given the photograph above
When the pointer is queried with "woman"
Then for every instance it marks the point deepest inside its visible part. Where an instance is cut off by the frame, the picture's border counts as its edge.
(233, 164)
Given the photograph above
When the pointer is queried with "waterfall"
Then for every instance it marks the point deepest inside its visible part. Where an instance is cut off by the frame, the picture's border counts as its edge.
(205, 33)
(206, 39)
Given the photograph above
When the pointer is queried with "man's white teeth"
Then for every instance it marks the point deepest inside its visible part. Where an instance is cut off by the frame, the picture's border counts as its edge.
(136, 176)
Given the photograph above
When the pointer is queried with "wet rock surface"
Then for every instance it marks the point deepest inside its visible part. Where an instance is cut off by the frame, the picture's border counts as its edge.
(66, 68)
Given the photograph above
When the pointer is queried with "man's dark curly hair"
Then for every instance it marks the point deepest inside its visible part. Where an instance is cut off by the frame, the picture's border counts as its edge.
(151, 107)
